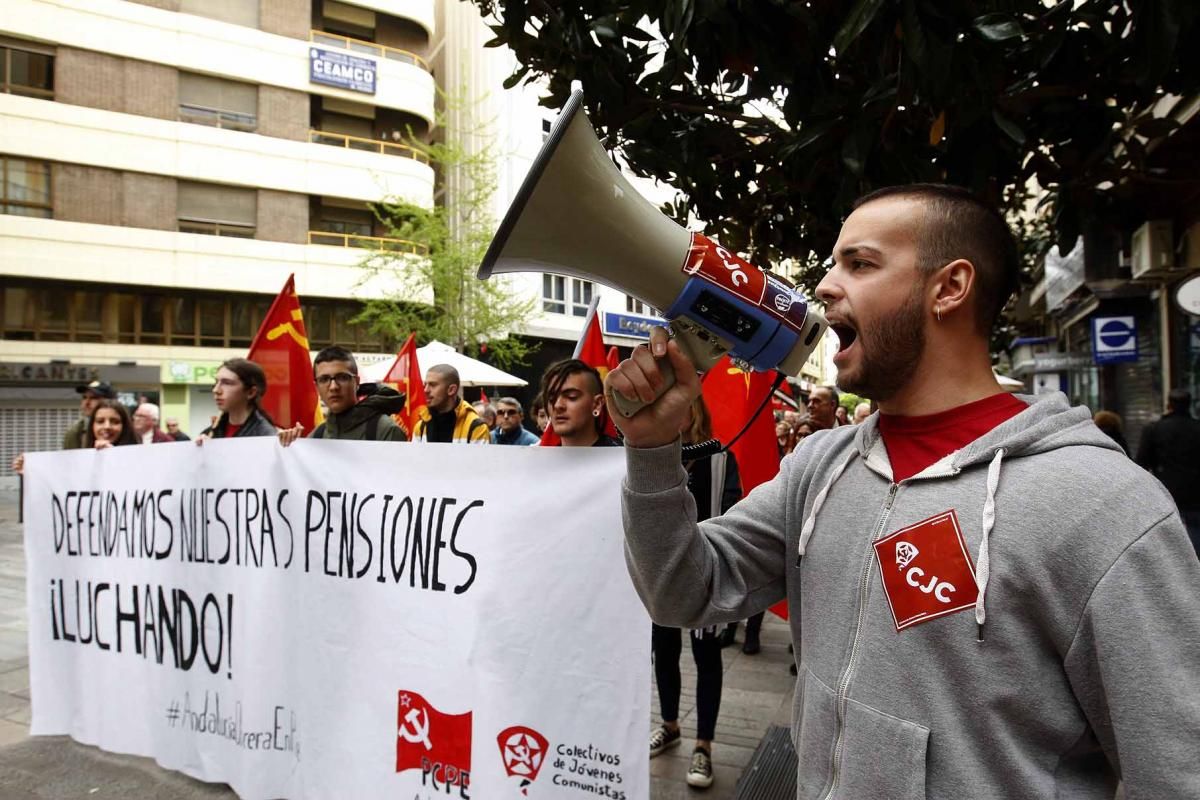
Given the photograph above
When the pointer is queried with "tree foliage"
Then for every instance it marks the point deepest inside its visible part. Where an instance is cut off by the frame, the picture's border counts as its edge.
(441, 299)
(771, 116)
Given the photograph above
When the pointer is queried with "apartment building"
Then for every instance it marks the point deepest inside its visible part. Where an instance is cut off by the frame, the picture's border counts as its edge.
(168, 163)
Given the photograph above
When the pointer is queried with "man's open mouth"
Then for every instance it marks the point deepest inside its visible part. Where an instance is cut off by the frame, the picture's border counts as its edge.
(845, 333)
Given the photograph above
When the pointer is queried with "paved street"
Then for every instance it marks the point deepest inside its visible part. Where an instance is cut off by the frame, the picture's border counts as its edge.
(757, 694)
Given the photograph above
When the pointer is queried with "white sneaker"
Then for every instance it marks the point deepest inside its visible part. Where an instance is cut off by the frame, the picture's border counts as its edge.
(662, 739)
(700, 774)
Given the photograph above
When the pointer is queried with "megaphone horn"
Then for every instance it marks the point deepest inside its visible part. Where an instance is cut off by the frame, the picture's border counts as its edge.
(576, 214)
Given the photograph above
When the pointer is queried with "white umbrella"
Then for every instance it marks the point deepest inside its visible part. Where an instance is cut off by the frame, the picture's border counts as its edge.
(470, 371)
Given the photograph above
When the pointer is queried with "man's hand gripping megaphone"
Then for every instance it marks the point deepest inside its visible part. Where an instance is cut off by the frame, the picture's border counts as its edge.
(660, 366)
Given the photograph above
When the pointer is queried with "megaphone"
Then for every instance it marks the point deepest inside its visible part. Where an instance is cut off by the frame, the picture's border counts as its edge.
(576, 214)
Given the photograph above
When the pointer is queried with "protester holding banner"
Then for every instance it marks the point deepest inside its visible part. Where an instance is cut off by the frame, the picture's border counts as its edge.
(356, 412)
(715, 486)
(451, 419)
(241, 385)
(958, 633)
(574, 395)
(110, 426)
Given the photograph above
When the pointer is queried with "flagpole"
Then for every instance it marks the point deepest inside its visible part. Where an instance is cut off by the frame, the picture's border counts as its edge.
(587, 321)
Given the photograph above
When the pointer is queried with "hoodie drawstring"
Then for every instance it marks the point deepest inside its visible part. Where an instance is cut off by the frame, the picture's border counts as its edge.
(983, 564)
(810, 523)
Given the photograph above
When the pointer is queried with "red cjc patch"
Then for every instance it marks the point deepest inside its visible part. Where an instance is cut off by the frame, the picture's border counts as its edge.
(926, 570)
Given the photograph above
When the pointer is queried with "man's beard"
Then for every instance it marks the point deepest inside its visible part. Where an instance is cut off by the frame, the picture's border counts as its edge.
(891, 350)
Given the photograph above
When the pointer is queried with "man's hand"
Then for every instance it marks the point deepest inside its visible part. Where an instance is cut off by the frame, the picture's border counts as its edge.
(18, 464)
(639, 378)
(289, 435)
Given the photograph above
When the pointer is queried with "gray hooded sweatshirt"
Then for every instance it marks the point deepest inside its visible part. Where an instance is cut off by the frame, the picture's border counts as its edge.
(1075, 666)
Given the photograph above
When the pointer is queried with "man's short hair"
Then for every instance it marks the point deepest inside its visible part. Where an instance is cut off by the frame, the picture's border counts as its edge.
(148, 408)
(833, 395)
(335, 353)
(447, 373)
(511, 401)
(957, 224)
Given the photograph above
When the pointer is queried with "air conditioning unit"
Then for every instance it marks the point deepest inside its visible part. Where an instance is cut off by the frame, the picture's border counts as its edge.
(1153, 250)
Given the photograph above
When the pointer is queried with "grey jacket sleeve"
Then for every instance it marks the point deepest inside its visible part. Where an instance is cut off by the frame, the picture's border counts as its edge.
(388, 430)
(1134, 664)
(689, 575)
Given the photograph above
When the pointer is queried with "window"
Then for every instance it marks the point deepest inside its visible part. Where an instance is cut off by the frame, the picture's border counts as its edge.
(26, 188)
(349, 221)
(581, 296)
(205, 100)
(546, 126)
(238, 12)
(635, 306)
(554, 294)
(26, 72)
(217, 210)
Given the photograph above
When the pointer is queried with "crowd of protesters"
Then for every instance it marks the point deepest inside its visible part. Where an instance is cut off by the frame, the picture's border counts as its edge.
(570, 404)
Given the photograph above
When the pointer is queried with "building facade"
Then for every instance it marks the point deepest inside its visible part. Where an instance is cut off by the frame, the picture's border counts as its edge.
(168, 163)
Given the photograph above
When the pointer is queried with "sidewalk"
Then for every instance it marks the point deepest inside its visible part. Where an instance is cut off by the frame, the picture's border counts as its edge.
(757, 693)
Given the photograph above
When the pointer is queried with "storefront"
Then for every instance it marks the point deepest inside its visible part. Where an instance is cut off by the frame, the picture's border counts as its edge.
(38, 402)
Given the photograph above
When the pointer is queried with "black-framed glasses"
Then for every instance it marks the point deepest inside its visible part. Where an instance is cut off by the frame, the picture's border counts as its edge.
(341, 378)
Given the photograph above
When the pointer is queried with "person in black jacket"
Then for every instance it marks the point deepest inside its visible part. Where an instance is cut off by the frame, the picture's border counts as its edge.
(360, 412)
(1170, 449)
(715, 485)
(240, 385)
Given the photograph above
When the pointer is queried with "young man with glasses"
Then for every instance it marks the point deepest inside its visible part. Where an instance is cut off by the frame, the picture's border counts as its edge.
(509, 430)
(364, 416)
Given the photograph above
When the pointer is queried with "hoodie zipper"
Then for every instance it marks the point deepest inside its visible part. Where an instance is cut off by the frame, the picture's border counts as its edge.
(844, 683)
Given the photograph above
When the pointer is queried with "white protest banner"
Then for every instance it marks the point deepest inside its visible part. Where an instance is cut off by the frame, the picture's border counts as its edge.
(342, 619)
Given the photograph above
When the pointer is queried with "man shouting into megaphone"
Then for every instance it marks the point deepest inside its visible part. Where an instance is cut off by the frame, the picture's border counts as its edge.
(988, 599)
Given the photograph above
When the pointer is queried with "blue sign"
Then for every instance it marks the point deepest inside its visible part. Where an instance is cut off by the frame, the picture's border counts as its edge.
(633, 325)
(1114, 340)
(341, 70)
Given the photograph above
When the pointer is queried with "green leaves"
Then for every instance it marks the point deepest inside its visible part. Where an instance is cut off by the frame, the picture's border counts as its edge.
(996, 27)
(857, 20)
(740, 105)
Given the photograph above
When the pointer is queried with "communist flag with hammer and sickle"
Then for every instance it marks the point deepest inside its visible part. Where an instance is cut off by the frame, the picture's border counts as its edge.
(281, 348)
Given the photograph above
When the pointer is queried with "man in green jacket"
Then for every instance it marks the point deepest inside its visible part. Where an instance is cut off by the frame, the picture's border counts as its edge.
(365, 418)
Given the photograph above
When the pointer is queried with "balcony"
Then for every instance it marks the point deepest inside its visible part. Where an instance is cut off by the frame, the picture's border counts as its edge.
(369, 48)
(367, 242)
(367, 145)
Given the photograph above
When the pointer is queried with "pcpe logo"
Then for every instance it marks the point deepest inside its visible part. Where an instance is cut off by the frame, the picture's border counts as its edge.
(436, 743)
(1114, 339)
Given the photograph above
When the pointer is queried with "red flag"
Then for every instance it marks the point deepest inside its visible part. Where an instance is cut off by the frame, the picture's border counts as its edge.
(281, 348)
(406, 375)
(428, 739)
(483, 397)
(614, 358)
(590, 350)
(732, 395)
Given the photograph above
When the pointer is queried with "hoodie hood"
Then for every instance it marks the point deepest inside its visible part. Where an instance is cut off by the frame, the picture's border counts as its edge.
(1049, 423)
(382, 400)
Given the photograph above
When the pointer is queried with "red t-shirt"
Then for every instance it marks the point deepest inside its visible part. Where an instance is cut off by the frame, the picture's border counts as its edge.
(231, 429)
(913, 443)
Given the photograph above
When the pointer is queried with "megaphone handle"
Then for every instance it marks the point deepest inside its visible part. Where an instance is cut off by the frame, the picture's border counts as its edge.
(627, 408)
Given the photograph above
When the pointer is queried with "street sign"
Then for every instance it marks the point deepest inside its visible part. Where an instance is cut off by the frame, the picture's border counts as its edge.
(1114, 340)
